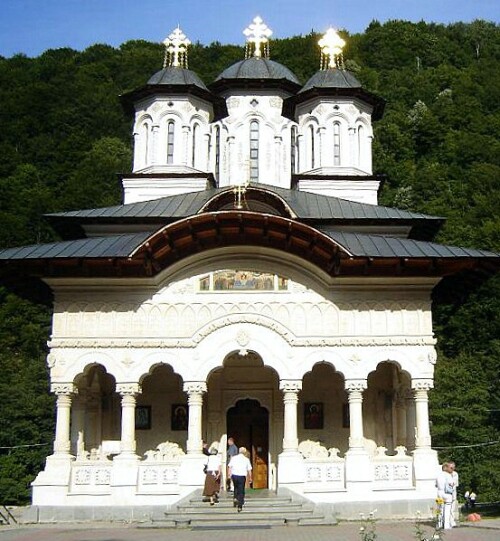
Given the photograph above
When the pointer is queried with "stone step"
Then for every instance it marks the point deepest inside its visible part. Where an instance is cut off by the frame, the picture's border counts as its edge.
(275, 508)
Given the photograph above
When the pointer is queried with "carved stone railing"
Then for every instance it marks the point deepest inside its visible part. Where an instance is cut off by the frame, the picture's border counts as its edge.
(91, 473)
(324, 470)
(392, 471)
(158, 472)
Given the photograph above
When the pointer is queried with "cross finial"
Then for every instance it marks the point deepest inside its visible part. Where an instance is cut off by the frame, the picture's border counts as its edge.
(257, 34)
(331, 45)
(176, 49)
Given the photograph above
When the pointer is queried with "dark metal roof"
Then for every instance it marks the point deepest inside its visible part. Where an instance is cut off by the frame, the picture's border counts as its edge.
(258, 68)
(95, 247)
(378, 246)
(172, 75)
(331, 78)
(305, 206)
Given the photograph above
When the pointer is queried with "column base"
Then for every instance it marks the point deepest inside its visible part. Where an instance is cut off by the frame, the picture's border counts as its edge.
(191, 470)
(290, 468)
(358, 470)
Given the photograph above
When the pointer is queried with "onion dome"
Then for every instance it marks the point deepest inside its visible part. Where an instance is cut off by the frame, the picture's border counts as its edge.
(175, 77)
(332, 79)
(257, 70)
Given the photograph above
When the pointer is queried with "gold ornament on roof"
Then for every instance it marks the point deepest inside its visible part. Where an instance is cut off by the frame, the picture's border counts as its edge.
(331, 45)
(176, 45)
(257, 34)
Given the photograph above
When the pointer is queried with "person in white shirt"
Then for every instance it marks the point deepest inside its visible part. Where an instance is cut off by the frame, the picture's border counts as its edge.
(240, 468)
(455, 512)
(444, 485)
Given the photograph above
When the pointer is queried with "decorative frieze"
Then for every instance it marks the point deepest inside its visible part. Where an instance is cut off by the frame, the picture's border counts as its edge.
(63, 389)
(128, 389)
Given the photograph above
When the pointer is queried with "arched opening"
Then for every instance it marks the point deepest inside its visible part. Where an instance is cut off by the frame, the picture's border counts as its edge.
(312, 147)
(96, 413)
(254, 151)
(170, 141)
(161, 410)
(242, 400)
(336, 143)
(322, 408)
(248, 424)
(388, 411)
(293, 150)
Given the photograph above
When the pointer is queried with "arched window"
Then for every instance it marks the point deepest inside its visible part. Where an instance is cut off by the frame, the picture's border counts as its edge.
(361, 137)
(336, 143)
(217, 152)
(312, 149)
(293, 149)
(170, 141)
(145, 142)
(196, 131)
(254, 151)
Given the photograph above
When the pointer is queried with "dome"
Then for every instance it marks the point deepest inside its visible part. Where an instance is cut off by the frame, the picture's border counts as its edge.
(331, 78)
(257, 68)
(172, 75)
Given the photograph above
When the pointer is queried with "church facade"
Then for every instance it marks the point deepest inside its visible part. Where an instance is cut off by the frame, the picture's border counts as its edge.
(248, 286)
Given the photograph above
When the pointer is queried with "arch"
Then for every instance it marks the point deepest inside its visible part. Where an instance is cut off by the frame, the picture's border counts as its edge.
(171, 132)
(86, 360)
(195, 144)
(337, 143)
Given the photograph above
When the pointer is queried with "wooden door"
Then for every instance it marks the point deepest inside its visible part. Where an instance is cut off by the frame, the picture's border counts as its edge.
(248, 424)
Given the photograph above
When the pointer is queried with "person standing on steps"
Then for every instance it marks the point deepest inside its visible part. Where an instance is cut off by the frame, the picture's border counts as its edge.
(212, 476)
(240, 468)
(232, 450)
(455, 511)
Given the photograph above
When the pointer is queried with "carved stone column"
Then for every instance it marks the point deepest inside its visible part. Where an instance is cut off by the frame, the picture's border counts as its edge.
(64, 393)
(423, 434)
(195, 390)
(230, 155)
(300, 153)
(290, 390)
(128, 392)
(352, 146)
(355, 388)
(278, 140)
(411, 424)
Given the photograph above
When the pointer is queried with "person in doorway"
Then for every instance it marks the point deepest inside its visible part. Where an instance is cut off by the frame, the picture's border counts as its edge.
(455, 512)
(232, 450)
(240, 468)
(212, 476)
(444, 485)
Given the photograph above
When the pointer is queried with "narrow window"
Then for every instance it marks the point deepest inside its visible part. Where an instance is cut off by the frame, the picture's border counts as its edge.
(196, 130)
(361, 135)
(217, 152)
(311, 145)
(170, 141)
(145, 132)
(254, 151)
(293, 149)
(336, 143)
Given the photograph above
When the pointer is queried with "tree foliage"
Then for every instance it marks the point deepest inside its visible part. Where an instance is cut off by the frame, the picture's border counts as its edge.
(64, 138)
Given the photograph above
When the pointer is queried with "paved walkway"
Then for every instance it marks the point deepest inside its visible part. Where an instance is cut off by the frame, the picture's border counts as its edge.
(487, 530)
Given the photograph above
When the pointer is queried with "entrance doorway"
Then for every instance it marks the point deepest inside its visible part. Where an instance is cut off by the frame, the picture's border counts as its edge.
(248, 424)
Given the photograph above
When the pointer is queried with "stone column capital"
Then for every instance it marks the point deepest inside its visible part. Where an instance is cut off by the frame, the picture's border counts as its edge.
(128, 389)
(422, 384)
(195, 387)
(290, 385)
(63, 389)
(358, 385)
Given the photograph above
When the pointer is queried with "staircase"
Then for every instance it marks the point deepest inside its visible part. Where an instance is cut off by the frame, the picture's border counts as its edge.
(262, 509)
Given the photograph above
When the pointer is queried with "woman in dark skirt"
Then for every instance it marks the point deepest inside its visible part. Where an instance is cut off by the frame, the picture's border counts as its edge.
(212, 476)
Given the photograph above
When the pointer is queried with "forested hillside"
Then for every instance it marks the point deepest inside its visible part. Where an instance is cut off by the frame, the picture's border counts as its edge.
(64, 138)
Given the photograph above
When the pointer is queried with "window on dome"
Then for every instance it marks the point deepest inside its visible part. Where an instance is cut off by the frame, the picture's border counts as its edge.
(361, 135)
(145, 140)
(217, 152)
(311, 145)
(170, 141)
(254, 151)
(196, 130)
(240, 280)
(293, 149)
(336, 143)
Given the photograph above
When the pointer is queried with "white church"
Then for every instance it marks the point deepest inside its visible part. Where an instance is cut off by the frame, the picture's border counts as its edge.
(248, 286)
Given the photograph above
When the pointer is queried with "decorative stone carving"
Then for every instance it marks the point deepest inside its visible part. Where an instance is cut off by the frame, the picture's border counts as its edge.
(400, 451)
(380, 452)
(195, 387)
(312, 449)
(422, 384)
(128, 389)
(355, 384)
(382, 472)
(166, 451)
(51, 360)
(290, 385)
(63, 388)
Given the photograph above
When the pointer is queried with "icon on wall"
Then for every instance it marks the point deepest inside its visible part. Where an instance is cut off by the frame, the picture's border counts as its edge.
(179, 417)
(313, 415)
